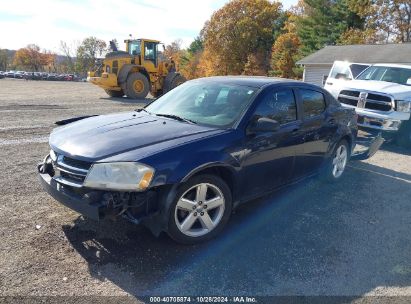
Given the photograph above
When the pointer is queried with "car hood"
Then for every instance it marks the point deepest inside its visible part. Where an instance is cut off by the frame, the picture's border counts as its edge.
(104, 136)
(398, 91)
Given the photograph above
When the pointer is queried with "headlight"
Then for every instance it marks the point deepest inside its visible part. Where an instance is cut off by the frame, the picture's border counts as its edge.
(127, 176)
(404, 106)
(53, 155)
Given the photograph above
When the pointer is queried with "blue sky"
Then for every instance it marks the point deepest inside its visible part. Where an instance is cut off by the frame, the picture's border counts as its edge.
(46, 22)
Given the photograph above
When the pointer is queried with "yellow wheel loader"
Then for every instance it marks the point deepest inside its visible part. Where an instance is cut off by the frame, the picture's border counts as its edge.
(137, 71)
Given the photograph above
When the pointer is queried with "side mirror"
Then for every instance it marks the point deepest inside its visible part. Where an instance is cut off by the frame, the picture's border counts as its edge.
(263, 124)
(325, 77)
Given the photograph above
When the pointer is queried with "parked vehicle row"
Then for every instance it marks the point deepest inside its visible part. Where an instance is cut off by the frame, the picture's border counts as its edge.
(39, 76)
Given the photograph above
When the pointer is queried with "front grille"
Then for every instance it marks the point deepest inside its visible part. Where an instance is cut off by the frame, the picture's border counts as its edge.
(76, 163)
(348, 101)
(372, 101)
(72, 177)
(70, 171)
(378, 106)
(378, 97)
(350, 93)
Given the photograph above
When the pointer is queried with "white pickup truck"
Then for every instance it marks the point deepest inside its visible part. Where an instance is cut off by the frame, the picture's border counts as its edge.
(380, 94)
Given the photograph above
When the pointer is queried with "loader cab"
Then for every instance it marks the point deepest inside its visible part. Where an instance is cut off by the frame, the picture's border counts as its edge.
(145, 49)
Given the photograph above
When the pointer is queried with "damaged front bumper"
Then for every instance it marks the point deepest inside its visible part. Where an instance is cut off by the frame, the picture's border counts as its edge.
(83, 204)
(98, 204)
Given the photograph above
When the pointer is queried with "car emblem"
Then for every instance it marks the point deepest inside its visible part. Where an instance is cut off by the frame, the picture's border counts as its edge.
(362, 100)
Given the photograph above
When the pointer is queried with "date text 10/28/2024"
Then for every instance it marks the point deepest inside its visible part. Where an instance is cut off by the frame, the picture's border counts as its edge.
(200, 299)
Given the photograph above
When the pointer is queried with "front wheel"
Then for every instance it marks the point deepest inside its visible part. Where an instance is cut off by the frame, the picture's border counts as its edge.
(200, 210)
(335, 167)
(403, 136)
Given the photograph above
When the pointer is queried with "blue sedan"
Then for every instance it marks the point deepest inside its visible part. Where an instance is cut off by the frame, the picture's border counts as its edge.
(184, 162)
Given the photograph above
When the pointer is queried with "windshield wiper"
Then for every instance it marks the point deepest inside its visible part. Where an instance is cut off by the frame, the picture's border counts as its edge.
(177, 118)
(141, 110)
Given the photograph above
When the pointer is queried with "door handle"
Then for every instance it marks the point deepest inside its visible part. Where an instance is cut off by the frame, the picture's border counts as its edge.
(330, 83)
(295, 131)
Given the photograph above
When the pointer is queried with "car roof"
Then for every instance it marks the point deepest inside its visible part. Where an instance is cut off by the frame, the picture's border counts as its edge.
(251, 81)
(393, 65)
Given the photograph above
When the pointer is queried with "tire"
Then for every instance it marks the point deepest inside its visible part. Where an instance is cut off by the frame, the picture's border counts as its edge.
(172, 81)
(206, 222)
(403, 136)
(157, 94)
(113, 93)
(335, 166)
(137, 86)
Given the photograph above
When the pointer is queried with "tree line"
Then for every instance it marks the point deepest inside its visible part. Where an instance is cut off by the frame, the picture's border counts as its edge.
(259, 37)
(77, 58)
(250, 37)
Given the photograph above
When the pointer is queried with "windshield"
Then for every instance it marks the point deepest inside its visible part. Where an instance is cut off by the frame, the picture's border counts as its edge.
(356, 69)
(207, 103)
(134, 47)
(390, 74)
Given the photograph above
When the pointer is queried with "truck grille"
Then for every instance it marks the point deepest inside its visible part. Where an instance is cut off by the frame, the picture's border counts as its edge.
(70, 171)
(366, 100)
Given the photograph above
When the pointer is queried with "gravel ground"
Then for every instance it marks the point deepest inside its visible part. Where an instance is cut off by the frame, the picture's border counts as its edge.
(351, 238)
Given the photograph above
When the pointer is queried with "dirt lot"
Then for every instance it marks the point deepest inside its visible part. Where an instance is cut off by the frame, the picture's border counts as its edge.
(351, 238)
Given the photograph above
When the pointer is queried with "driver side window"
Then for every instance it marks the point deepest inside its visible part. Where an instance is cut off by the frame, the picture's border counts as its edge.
(278, 105)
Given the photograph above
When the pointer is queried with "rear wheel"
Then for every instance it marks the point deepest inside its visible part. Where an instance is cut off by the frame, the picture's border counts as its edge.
(200, 210)
(335, 167)
(113, 93)
(137, 86)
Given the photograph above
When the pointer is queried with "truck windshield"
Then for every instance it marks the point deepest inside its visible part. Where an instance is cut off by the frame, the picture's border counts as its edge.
(205, 103)
(390, 74)
(134, 47)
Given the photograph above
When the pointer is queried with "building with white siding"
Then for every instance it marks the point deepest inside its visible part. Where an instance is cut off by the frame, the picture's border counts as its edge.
(318, 65)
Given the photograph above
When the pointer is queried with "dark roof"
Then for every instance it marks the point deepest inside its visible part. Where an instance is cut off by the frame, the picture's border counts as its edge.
(251, 81)
(361, 53)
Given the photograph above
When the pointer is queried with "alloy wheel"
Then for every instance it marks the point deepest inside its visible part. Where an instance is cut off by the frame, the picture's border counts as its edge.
(339, 161)
(199, 210)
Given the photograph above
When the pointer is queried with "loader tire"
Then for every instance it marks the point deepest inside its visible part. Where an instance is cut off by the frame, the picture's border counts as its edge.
(173, 80)
(137, 86)
(113, 93)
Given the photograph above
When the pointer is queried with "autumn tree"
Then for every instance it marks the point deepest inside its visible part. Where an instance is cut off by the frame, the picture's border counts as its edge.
(190, 60)
(286, 50)
(31, 58)
(87, 52)
(4, 59)
(68, 53)
(257, 64)
(238, 29)
(173, 51)
(385, 20)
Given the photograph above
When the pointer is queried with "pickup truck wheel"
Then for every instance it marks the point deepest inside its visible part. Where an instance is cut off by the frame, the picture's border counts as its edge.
(137, 86)
(335, 167)
(200, 210)
(403, 137)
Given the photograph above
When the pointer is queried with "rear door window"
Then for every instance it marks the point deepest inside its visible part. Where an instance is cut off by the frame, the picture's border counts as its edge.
(313, 102)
